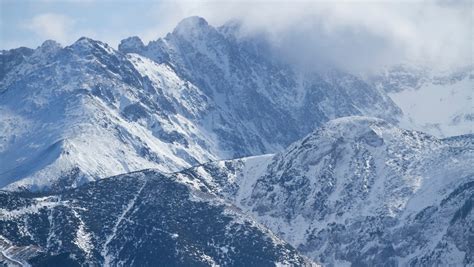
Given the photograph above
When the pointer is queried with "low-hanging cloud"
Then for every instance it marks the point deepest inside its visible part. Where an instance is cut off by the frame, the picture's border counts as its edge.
(51, 26)
(349, 34)
(56, 26)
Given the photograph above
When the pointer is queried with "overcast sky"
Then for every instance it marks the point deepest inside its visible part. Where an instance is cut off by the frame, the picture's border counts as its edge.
(339, 32)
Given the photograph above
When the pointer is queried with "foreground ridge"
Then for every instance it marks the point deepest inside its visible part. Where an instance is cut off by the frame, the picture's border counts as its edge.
(358, 190)
(361, 191)
(139, 219)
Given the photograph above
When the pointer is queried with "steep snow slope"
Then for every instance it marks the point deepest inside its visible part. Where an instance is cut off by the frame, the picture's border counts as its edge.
(360, 191)
(82, 112)
(138, 219)
(438, 103)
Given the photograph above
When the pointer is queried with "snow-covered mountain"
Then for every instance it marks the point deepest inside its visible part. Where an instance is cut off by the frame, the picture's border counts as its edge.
(360, 191)
(437, 102)
(138, 219)
(157, 120)
(356, 191)
(86, 111)
(261, 102)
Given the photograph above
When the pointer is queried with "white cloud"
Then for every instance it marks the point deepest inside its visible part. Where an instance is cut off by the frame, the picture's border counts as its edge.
(52, 26)
(352, 34)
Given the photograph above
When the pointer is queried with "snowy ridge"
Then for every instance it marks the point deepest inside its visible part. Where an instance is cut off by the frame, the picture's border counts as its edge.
(327, 193)
(358, 190)
(159, 220)
(105, 116)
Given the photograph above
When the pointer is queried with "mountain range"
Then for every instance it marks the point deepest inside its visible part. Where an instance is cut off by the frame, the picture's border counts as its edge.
(204, 148)
(357, 191)
(199, 94)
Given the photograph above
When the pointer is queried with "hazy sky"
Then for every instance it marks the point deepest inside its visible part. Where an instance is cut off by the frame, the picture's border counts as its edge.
(340, 32)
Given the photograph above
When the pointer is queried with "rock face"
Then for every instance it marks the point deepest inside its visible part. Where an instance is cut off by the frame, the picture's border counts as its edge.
(360, 191)
(139, 219)
(86, 111)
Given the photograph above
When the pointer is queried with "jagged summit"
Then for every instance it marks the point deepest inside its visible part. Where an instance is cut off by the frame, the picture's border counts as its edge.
(86, 44)
(131, 45)
(192, 26)
(189, 23)
(47, 49)
(85, 41)
(50, 45)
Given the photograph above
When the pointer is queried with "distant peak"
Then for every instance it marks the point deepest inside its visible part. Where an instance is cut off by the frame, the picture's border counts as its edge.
(131, 45)
(50, 45)
(191, 25)
(86, 44)
(85, 40)
(231, 27)
(47, 48)
(193, 21)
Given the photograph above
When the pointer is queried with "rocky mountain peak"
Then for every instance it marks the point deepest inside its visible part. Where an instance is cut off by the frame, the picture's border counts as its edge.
(50, 45)
(191, 27)
(47, 49)
(131, 45)
(85, 45)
